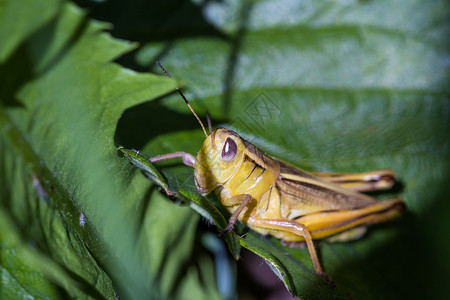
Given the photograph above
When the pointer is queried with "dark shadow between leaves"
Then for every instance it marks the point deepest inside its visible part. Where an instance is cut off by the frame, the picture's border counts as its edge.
(142, 123)
(167, 256)
(251, 283)
(144, 207)
(165, 22)
(236, 43)
(393, 270)
(22, 66)
(14, 74)
(152, 21)
(196, 253)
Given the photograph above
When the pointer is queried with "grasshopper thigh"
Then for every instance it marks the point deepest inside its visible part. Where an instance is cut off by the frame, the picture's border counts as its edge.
(362, 182)
(329, 223)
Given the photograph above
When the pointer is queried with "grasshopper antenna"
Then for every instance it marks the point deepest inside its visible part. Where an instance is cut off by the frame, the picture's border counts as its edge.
(208, 118)
(185, 100)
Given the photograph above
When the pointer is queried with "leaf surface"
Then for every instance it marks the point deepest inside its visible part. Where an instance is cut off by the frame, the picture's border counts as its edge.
(74, 214)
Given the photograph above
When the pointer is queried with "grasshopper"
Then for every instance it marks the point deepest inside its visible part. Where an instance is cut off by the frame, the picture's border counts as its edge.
(273, 197)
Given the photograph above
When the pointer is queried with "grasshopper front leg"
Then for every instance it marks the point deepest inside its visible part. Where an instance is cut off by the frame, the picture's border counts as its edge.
(188, 159)
(243, 200)
(362, 182)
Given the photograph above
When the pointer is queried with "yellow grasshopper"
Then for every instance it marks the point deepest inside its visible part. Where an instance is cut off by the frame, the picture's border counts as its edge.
(273, 197)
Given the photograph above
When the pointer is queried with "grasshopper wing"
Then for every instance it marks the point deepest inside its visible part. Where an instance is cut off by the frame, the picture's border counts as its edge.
(305, 193)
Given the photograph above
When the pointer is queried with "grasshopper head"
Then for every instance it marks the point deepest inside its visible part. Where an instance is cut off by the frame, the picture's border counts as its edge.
(217, 162)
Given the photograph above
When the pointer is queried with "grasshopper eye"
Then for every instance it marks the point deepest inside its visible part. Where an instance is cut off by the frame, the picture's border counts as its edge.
(229, 150)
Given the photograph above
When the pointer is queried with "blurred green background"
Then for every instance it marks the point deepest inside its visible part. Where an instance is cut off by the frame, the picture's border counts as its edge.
(342, 86)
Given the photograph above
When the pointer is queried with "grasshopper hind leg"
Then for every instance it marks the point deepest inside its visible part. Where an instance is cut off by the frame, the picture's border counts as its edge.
(297, 229)
(378, 180)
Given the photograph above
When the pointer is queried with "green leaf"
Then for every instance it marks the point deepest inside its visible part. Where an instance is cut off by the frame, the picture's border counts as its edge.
(147, 168)
(13, 33)
(74, 214)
